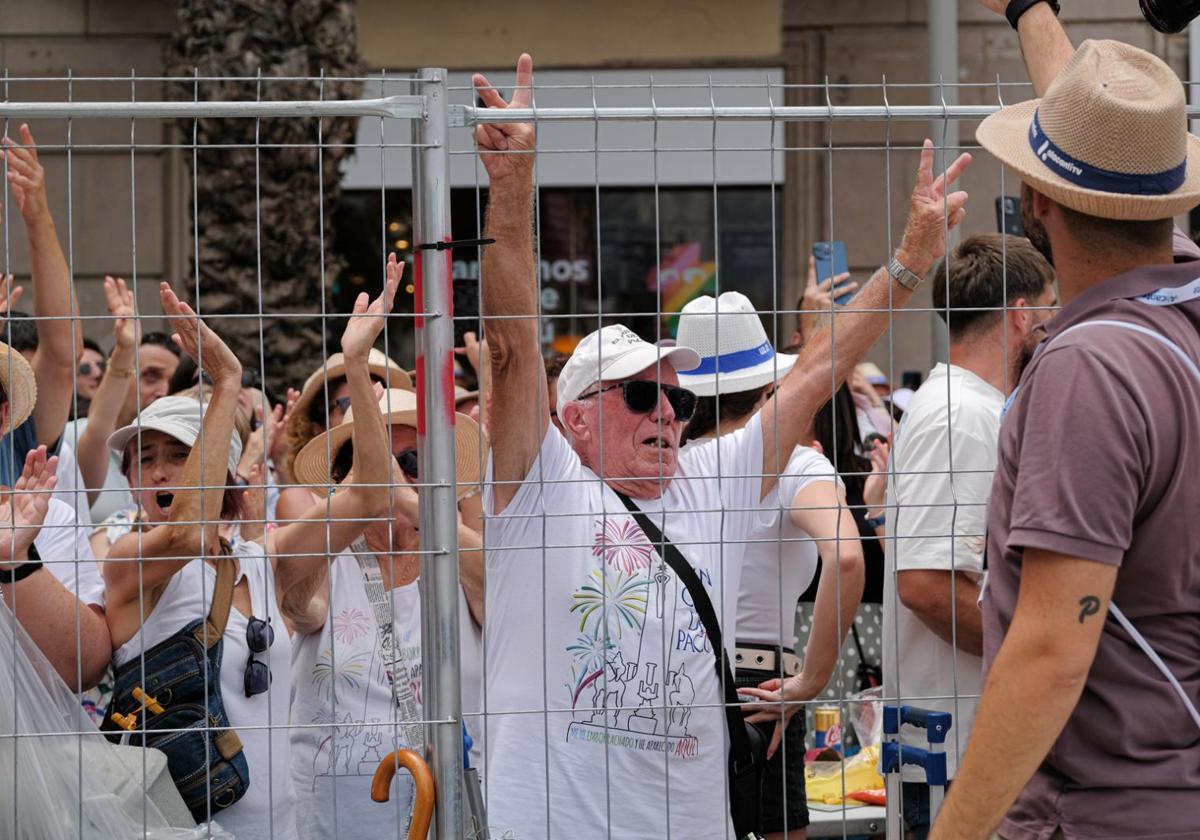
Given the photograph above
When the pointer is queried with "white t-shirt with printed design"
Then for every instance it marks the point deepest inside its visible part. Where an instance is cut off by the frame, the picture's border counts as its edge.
(585, 622)
(344, 718)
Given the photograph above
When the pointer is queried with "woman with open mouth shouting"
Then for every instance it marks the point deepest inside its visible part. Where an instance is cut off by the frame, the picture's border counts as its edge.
(202, 652)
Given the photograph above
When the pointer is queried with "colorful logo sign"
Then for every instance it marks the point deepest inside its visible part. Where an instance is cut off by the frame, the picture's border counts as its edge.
(681, 277)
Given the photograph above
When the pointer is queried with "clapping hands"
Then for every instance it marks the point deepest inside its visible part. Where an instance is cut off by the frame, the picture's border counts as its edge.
(195, 338)
(23, 510)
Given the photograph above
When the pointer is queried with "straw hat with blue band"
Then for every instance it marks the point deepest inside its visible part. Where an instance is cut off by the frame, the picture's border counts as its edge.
(1108, 139)
(735, 353)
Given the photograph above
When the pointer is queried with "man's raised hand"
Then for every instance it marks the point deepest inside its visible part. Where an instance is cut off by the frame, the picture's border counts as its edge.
(26, 177)
(506, 149)
(932, 213)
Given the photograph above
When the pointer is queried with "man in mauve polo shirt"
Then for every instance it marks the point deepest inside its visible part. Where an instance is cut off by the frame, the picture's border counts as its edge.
(1078, 734)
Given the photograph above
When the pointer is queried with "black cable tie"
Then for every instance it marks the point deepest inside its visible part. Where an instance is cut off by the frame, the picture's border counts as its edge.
(454, 243)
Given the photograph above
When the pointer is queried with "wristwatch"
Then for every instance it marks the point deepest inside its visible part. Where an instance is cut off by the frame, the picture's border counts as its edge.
(876, 522)
(1016, 8)
(25, 569)
(903, 276)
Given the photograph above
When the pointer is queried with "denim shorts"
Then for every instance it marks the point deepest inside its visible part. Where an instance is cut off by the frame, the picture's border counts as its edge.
(780, 786)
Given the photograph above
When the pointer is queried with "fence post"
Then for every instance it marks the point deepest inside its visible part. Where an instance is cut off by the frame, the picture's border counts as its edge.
(435, 441)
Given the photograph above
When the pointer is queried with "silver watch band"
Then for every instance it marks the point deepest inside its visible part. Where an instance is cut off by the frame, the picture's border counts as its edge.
(903, 276)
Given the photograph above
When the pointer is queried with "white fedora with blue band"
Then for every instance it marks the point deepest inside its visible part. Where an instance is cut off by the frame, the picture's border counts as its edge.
(735, 353)
(1108, 139)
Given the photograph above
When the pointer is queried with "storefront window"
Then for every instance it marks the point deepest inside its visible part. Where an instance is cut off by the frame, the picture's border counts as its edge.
(656, 253)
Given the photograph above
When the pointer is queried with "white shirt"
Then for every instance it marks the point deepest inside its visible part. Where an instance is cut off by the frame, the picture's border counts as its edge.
(67, 554)
(602, 697)
(115, 495)
(937, 517)
(268, 808)
(781, 559)
(70, 488)
(346, 720)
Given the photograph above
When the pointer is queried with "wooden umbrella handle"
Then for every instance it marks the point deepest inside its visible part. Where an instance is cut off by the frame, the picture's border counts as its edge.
(381, 784)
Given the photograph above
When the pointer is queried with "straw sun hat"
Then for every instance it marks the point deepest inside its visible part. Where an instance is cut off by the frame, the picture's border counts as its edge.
(20, 387)
(1108, 139)
(380, 366)
(399, 408)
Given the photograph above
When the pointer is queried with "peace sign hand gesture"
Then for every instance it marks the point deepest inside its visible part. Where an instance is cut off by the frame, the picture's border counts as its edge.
(932, 213)
(506, 148)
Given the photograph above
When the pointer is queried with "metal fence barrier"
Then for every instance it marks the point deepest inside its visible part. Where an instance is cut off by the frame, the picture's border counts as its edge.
(437, 124)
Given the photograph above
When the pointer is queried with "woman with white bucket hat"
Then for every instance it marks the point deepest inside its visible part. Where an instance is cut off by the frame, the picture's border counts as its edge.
(180, 457)
(803, 517)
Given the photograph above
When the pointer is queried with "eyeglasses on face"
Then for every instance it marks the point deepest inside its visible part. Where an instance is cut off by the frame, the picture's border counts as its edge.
(260, 635)
(88, 368)
(641, 396)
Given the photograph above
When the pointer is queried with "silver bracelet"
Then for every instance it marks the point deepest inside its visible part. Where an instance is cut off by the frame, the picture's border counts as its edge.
(903, 276)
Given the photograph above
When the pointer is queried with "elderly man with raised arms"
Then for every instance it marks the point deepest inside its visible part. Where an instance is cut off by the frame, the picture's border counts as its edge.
(604, 706)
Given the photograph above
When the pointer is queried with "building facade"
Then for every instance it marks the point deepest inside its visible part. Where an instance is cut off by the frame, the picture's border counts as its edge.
(630, 230)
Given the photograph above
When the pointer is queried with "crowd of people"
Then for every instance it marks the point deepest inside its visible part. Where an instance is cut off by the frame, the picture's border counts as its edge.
(235, 579)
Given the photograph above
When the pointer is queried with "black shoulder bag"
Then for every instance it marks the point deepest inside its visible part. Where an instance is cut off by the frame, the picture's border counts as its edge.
(748, 753)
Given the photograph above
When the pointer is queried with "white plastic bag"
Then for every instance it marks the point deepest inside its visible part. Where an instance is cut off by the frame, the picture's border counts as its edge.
(866, 716)
(60, 779)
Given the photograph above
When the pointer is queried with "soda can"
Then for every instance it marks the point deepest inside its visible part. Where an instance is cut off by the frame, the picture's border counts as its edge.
(827, 729)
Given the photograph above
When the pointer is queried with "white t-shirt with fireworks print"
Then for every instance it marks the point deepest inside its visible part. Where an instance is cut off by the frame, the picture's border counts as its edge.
(343, 717)
(602, 702)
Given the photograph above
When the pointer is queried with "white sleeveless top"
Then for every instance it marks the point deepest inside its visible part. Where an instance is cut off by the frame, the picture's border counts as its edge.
(345, 720)
(268, 808)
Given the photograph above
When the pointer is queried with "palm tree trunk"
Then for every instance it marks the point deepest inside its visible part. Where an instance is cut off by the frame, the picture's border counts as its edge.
(264, 192)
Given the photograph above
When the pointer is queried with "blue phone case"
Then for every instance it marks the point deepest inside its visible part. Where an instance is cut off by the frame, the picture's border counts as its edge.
(831, 261)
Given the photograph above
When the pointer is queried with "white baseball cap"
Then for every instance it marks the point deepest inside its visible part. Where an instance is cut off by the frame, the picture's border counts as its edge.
(179, 417)
(612, 353)
(735, 353)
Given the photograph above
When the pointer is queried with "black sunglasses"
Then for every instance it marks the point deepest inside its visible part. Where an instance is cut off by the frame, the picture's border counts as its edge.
(85, 368)
(641, 395)
(343, 404)
(410, 464)
(260, 635)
